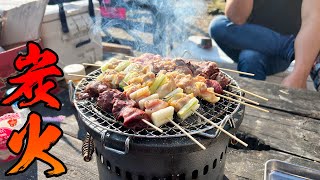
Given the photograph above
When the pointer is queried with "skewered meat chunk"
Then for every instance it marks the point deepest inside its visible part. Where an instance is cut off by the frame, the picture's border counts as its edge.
(92, 90)
(209, 95)
(221, 78)
(179, 100)
(167, 86)
(215, 85)
(154, 105)
(206, 69)
(132, 118)
(105, 99)
(113, 80)
(111, 64)
(187, 109)
(142, 101)
(140, 94)
(82, 95)
(119, 104)
(131, 88)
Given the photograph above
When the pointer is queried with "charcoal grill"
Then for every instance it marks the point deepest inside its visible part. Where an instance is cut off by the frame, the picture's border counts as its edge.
(149, 155)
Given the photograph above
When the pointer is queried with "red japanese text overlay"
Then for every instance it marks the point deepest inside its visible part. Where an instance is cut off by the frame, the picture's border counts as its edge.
(33, 83)
(39, 142)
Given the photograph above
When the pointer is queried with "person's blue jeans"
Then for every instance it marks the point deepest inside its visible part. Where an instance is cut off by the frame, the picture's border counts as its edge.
(257, 49)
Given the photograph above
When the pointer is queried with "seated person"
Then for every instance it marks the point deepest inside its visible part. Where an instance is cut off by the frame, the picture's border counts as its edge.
(265, 36)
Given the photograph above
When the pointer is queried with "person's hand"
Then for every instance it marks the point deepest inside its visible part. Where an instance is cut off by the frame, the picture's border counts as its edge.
(294, 81)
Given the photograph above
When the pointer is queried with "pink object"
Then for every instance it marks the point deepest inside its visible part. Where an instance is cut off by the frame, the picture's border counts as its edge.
(53, 119)
(106, 1)
(8, 123)
(5, 154)
(113, 13)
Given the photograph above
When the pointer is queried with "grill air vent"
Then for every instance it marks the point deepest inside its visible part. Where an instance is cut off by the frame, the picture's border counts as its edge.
(195, 174)
(205, 170)
(128, 176)
(108, 165)
(214, 164)
(221, 156)
(118, 171)
(182, 177)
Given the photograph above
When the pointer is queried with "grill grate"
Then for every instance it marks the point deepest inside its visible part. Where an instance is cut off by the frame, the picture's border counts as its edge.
(100, 120)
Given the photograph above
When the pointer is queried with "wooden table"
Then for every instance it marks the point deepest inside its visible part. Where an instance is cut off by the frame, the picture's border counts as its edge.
(291, 129)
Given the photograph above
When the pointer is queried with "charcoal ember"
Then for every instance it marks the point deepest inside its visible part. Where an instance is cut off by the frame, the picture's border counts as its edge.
(105, 99)
(119, 104)
(132, 118)
(215, 85)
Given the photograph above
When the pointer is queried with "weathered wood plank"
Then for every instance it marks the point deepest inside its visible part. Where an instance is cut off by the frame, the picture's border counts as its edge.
(72, 124)
(243, 164)
(117, 48)
(300, 102)
(283, 131)
(68, 150)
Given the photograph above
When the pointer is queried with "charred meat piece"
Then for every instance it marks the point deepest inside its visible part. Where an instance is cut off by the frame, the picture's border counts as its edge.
(92, 90)
(222, 79)
(105, 99)
(119, 104)
(81, 95)
(193, 67)
(183, 70)
(207, 69)
(182, 66)
(132, 118)
(215, 85)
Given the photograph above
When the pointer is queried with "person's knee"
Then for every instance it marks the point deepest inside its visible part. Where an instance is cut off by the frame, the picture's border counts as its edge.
(218, 26)
(252, 62)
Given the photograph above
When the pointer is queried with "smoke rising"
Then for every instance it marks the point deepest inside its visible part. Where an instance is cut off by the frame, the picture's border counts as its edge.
(154, 26)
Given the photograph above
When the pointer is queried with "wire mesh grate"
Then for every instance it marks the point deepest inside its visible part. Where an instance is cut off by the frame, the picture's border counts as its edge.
(101, 120)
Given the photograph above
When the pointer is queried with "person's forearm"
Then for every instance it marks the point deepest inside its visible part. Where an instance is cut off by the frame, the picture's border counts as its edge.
(238, 11)
(307, 43)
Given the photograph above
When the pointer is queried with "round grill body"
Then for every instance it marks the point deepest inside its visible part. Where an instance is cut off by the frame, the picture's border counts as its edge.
(149, 155)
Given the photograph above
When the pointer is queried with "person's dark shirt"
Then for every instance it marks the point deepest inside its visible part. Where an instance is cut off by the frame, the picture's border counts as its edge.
(283, 16)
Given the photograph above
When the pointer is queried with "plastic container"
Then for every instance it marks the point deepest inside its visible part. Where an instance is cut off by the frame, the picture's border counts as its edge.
(74, 69)
(23, 113)
(8, 123)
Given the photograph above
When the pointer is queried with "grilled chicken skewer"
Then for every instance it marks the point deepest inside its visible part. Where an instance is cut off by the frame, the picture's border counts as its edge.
(175, 99)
